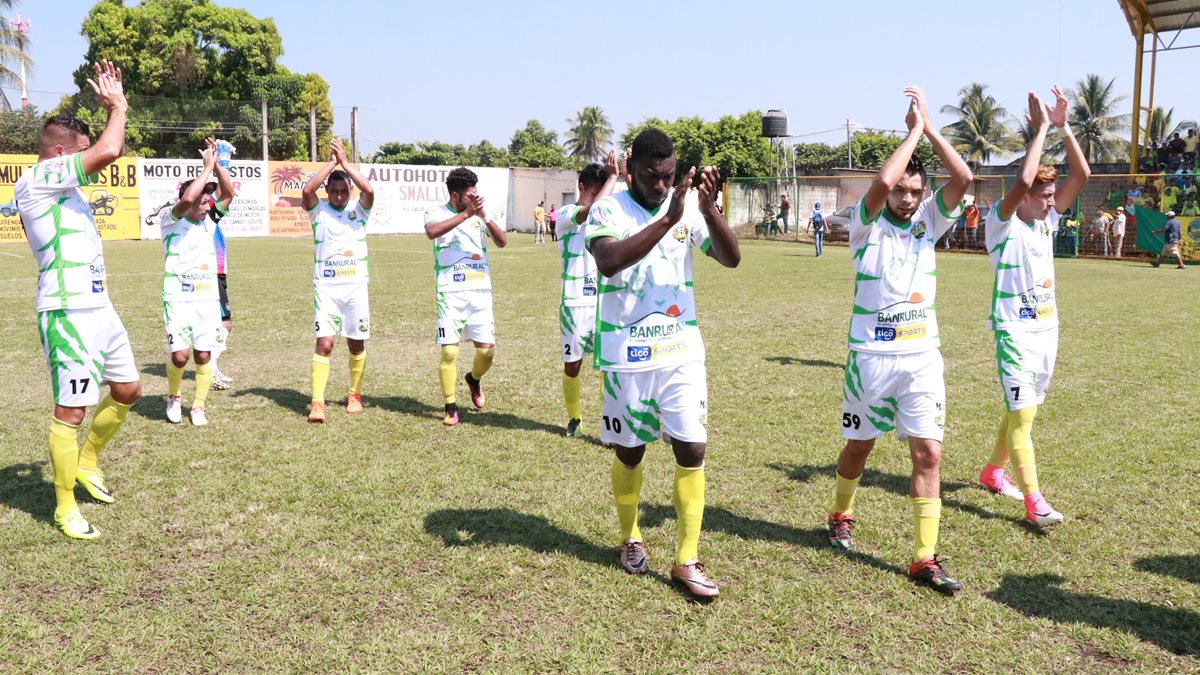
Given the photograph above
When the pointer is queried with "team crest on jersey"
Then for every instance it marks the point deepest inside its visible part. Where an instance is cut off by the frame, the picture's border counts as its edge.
(918, 229)
(680, 232)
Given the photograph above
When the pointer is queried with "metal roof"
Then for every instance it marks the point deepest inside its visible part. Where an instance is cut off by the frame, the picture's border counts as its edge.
(1162, 16)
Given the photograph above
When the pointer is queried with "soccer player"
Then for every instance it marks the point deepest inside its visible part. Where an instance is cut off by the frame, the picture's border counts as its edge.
(82, 337)
(577, 308)
(459, 230)
(191, 302)
(1024, 317)
(221, 198)
(648, 343)
(893, 378)
(340, 273)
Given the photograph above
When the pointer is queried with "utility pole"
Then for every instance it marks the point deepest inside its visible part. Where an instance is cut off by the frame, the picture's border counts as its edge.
(264, 130)
(849, 154)
(21, 28)
(354, 135)
(312, 133)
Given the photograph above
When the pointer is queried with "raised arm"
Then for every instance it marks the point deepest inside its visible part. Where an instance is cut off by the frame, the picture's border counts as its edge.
(366, 197)
(225, 189)
(893, 168)
(309, 193)
(613, 255)
(613, 169)
(724, 248)
(1076, 161)
(1040, 123)
(497, 233)
(195, 190)
(960, 174)
(111, 93)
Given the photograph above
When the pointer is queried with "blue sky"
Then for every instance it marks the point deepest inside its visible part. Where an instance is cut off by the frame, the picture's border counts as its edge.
(420, 72)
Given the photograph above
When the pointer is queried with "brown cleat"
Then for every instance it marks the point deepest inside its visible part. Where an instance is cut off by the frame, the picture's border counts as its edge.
(317, 412)
(693, 578)
(633, 557)
(354, 403)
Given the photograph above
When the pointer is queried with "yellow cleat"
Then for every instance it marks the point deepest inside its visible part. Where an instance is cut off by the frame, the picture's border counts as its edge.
(93, 482)
(75, 526)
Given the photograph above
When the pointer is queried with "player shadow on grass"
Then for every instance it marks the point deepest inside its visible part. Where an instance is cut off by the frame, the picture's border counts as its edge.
(1172, 628)
(793, 361)
(898, 485)
(505, 527)
(1185, 567)
(717, 519)
(289, 399)
(22, 487)
(468, 415)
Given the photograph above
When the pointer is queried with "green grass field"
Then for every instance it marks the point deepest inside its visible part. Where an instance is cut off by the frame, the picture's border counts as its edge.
(385, 542)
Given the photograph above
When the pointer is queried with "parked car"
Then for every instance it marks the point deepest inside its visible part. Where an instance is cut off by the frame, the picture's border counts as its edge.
(837, 224)
(8, 210)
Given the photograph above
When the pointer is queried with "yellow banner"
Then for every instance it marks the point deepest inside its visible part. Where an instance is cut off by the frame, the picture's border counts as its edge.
(113, 198)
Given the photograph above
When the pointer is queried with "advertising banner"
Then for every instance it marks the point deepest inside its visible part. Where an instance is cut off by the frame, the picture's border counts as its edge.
(158, 186)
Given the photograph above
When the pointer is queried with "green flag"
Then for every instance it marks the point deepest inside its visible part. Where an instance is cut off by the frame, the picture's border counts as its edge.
(1147, 220)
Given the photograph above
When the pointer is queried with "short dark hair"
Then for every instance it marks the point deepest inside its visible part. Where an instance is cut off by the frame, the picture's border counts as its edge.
(338, 175)
(915, 167)
(652, 144)
(68, 123)
(593, 175)
(461, 179)
(209, 188)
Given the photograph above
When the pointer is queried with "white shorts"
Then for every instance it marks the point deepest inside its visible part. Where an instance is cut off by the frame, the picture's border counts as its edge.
(905, 392)
(85, 348)
(465, 315)
(341, 309)
(1025, 364)
(578, 327)
(639, 406)
(194, 324)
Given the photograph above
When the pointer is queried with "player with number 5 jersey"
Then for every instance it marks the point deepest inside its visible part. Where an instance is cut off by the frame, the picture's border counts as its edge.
(83, 339)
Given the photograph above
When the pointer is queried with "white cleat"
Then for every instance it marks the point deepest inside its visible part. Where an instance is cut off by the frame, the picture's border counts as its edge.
(199, 419)
(1050, 517)
(174, 409)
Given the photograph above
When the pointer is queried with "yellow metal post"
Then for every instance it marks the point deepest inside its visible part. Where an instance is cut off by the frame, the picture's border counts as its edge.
(1134, 142)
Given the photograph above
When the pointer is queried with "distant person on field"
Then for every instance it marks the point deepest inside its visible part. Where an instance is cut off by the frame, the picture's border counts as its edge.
(785, 210)
(551, 221)
(1174, 235)
(1098, 232)
(971, 216)
(1117, 231)
(816, 223)
(83, 339)
(1024, 317)
(539, 223)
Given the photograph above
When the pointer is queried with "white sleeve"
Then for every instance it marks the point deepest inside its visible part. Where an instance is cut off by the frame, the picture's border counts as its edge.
(939, 215)
(995, 230)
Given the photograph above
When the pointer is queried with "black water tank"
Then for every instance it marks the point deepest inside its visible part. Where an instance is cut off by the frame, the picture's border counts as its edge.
(774, 124)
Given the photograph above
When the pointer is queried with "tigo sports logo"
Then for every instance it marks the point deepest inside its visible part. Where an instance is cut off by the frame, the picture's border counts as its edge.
(639, 354)
(885, 333)
(98, 286)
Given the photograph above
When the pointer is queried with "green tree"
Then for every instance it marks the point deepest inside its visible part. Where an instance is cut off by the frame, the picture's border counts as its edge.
(538, 147)
(11, 57)
(733, 144)
(981, 130)
(1094, 122)
(1161, 125)
(590, 134)
(19, 130)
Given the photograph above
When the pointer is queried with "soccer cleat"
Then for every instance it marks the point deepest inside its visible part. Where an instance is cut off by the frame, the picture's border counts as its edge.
(1048, 516)
(929, 572)
(75, 526)
(692, 576)
(316, 412)
(93, 482)
(218, 385)
(633, 557)
(1000, 485)
(354, 403)
(199, 418)
(840, 525)
(450, 418)
(573, 429)
(174, 409)
(476, 388)
(220, 375)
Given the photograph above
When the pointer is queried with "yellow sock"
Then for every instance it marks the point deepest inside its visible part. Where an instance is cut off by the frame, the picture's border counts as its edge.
(1000, 454)
(689, 511)
(483, 361)
(627, 487)
(203, 384)
(174, 379)
(64, 457)
(843, 496)
(1020, 445)
(927, 514)
(448, 371)
(358, 364)
(573, 395)
(109, 417)
(320, 377)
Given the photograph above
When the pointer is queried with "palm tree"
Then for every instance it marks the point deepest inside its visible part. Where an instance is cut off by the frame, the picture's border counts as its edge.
(981, 130)
(11, 54)
(1160, 125)
(1092, 117)
(590, 134)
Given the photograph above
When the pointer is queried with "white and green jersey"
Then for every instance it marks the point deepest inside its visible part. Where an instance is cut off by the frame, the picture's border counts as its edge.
(646, 315)
(189, 259)
(1023, 259)
(339, 243)
(895, 278)
(460, 260)
(62, 234)
(579, 274)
